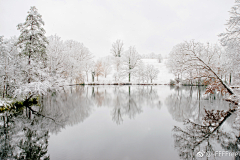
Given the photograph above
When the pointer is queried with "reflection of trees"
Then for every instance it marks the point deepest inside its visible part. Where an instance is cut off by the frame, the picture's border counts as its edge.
(24, 132)
(126, 101)
(99, 97)
(6, 134)
(75, 104)
(188, 103)
(33, 145)
(203, 119)
(68, 107)
(148, 96)
(203, 136)
(129, 102)
(231, 142)
(23, 137)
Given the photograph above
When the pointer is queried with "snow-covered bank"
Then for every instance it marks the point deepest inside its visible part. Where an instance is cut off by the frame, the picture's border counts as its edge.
(5, 104)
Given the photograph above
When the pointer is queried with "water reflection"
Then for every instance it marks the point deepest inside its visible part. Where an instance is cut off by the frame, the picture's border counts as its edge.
(24, 132)
(189, 102)
(74, 105)
(209, 125)
(23, 136)
(208, 122)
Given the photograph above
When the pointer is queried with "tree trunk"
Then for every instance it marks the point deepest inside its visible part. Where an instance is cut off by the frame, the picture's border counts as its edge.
(29, 60)
(230, 79)
(210, 69)
(129, 75)
(29, 63)
(3, 90)
(93, 76)
(7, 89)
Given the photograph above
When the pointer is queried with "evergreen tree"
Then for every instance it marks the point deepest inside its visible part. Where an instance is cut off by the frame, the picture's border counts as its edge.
(32, 43)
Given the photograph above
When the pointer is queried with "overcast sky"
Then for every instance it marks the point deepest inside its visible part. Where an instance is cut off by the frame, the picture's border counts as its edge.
(149, 25)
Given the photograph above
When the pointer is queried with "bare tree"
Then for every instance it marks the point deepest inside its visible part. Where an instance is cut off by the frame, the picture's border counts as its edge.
(141, 72)
(197, 60)
(131, 58)
(117, 48)
(230, 39)
(78, 54)
(151, 72)
(192, 49)
(200, 136)
(159, 57)
(107, 65)
(87, 66)
(99, 71)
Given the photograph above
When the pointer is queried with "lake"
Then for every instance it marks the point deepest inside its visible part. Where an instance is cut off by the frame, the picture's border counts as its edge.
(122, 123)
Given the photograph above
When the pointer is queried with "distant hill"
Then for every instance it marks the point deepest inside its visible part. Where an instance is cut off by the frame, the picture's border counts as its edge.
(164, 76)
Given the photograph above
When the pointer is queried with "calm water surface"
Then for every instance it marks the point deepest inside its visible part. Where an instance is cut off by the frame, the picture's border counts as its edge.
(122, 123)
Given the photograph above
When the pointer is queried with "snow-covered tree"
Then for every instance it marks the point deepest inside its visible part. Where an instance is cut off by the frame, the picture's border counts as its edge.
(56, 58)
(117, 48)
(67, 61)
(198, 60)
(130, 60)
(232, 59)
(9, 66)
(77, 55)
(159, 57)
(233, 25)
(230, 39)
(140, 73)
(151, 72)
(99, 70)
(176, 61)
(117, 51)
(107, 65)
(32, 43)
(184, 64)
(87, 67)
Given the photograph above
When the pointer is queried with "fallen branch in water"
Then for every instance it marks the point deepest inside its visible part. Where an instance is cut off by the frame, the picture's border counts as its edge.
(36, 112)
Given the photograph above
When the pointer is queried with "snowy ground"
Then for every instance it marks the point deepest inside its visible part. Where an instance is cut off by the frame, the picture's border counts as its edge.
(163, 77)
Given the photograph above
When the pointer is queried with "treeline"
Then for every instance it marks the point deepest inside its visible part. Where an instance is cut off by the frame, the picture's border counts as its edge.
(24, 73)
(198, 63)
(127, 65)
(32, 63)
(184, 62)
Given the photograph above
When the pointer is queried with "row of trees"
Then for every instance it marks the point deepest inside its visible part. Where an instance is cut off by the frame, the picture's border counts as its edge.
(195, 61)
(184, 63)
(123, 65)
(33, 63)
(128, 64)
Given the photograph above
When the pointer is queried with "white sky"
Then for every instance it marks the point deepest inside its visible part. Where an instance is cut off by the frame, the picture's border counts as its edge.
(149, 25)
